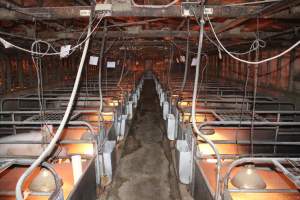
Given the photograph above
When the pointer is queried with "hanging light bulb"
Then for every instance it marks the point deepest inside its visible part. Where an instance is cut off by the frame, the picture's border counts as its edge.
(247, 178)
(43, 182)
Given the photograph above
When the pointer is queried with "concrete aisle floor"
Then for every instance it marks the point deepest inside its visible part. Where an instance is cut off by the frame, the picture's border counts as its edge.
(145, 170)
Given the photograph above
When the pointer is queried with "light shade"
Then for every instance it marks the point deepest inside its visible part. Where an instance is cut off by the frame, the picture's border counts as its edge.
(43, 182)
(247, 178)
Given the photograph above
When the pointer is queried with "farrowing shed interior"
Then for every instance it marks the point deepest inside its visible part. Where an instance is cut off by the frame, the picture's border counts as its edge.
(156, 99)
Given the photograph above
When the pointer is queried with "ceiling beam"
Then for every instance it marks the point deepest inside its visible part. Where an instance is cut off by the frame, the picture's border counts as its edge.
(276, 9)
(141, 34)
(52, 13)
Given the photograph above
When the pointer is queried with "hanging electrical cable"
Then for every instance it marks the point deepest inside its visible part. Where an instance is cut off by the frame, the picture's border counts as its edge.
(246, 61)
(170, 63)
(181, 48)
(186, 55)
(257, 43)
(51, 146)
(100, 66)
(254, 93)
(202, 73)
(251, 3)
(242, 107)
(198, 132)
(123, 67)
(37, 64)
(50, 46)
(102, 139)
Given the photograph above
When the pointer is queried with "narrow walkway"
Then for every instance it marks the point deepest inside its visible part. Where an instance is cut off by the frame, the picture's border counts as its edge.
(145, 171)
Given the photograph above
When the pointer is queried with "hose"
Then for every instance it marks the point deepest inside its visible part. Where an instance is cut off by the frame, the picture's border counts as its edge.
(205, 138)
(51, 146)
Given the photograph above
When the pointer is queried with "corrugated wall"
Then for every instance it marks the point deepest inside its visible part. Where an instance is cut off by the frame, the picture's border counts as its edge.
(17, 71)
(281, 74)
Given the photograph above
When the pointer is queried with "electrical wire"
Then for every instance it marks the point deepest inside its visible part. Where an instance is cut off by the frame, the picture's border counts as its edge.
(123, 66)
(201, 81)
(182, 49)
(186, 55)
(49, 46)
(242, 107)
(51, 146)
(254, 93)
(37, 64)
(250, 3)
(257, 43)
(202, 73)
(198, 132)
(170, 64)
(100, 117)
(246, 61)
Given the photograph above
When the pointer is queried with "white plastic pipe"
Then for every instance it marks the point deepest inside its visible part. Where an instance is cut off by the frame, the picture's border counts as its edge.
(76, 167)
(51, 146)
(199, 133)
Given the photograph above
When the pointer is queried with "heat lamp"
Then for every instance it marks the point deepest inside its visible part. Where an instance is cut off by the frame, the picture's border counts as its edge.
(248, 178)
(43, 182)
